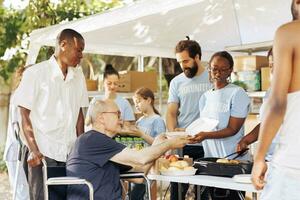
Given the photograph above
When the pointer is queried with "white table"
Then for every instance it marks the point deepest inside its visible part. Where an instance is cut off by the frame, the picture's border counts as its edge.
(208, 181)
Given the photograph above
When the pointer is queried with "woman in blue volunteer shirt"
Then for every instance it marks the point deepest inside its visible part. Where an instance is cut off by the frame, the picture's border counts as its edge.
(227, 103)
(111, 82)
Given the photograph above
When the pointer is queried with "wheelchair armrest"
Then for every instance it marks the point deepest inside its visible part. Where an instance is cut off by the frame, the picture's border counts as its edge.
(133, 175)
(66, 181)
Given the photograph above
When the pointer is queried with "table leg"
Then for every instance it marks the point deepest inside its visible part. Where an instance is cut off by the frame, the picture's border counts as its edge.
(160, 190)
(179, 191)
(254, 196)
(241, 195)
(129, 190)
(198, 192)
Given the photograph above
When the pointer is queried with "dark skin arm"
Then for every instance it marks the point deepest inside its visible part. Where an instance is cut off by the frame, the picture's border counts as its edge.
(233, 128)
(248, 139)
(35, 154)
(80, 123)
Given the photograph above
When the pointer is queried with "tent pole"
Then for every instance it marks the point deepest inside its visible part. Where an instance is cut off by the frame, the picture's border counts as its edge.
(141, 67)
(160, 83)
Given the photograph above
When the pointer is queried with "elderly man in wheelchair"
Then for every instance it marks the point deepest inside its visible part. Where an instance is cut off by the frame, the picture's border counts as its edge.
(97, 158)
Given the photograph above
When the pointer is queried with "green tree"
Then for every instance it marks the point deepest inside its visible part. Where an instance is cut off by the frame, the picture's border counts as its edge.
(16, 25)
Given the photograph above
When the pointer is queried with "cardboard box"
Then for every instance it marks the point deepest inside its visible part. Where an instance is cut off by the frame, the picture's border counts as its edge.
(249, 63)
(130, 81)
(91, 85)
(265, 78)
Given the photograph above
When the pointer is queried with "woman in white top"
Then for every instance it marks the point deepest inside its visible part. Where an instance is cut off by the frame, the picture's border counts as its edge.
(111, 79)
(12, 145)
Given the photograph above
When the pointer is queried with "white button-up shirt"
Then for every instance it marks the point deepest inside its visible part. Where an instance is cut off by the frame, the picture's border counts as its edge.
(54, 104)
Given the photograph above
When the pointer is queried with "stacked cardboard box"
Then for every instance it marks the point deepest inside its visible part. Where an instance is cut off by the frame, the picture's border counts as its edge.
(247, 70)
(265, 78)
(130, 81)
(249, 63)
(91, 85)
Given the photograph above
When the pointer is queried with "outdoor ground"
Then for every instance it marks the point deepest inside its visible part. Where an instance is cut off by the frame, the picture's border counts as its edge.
(4, 187)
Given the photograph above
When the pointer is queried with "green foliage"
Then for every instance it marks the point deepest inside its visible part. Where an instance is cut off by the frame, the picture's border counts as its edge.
(3, 167)
(16, 25)
(241, 84)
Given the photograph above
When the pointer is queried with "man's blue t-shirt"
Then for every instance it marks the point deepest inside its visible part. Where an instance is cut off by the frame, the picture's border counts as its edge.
(221, 104)
(187, 92)
(153, 125)
(90, 159)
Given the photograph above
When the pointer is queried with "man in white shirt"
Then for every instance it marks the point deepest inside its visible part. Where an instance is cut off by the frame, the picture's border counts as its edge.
(51, 96)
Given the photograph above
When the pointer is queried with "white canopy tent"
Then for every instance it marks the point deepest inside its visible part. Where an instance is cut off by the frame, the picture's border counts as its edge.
(153, 27)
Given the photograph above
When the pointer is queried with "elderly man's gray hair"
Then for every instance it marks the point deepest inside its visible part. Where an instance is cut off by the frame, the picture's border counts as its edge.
(96, 107)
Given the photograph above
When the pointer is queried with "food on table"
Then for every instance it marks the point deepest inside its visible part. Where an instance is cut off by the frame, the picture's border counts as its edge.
(227, 161)
(174, 163)
(181, 164)
(188, 168)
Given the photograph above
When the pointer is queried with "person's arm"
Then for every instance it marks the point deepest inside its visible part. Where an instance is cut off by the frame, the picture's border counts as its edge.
(145, 156)
(35, 154)
(233, 128)
(276, 107)
(128, 123)
(248, 139)
(80, 123)
(132, 130)
(147, 138)
(171, 116)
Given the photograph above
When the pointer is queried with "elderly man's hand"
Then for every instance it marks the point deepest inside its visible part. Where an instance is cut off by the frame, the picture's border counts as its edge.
(179, 142)
(159, 139)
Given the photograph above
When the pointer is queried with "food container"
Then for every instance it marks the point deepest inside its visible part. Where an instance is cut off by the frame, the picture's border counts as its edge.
(172, 165)
(175, 134)
(209, 166)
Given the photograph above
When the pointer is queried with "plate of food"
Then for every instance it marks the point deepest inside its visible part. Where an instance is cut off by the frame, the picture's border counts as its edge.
(175, 166)
(173, 171)
(176, 134)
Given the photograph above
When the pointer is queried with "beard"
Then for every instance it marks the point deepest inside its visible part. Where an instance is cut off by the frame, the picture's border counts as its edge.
(190, 72)
(294, 11)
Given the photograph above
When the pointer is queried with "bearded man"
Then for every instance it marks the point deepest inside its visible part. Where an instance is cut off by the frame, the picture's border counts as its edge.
(184, 95)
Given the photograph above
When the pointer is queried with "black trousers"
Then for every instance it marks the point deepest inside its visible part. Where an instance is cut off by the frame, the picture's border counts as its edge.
(194, 152)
